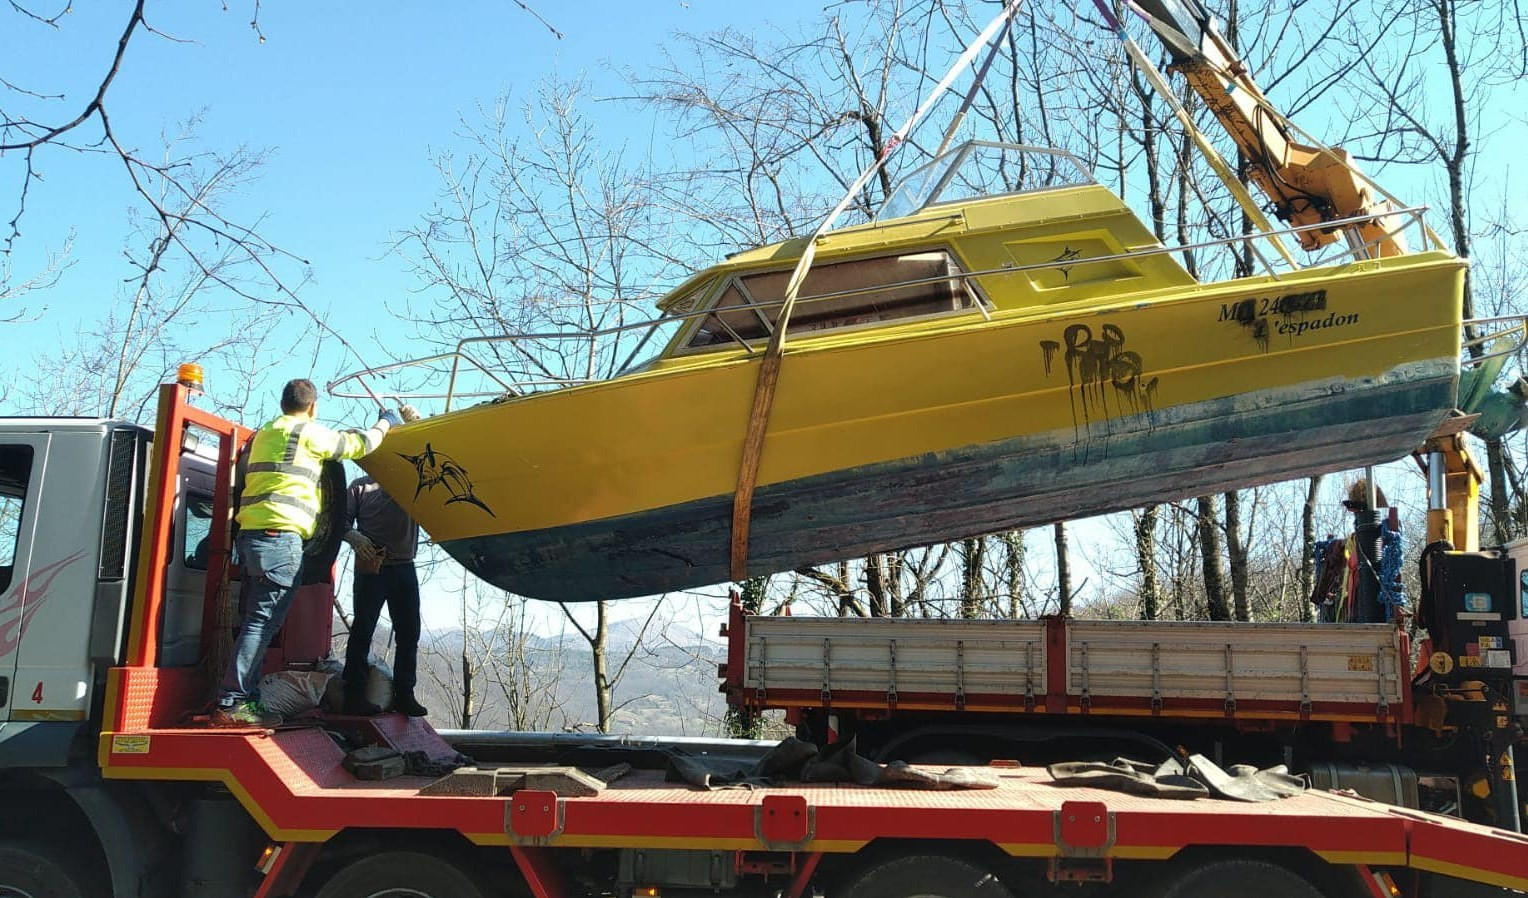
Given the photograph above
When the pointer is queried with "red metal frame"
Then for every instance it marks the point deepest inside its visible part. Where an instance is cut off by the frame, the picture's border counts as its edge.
(220, 556)
(176, 414)
(295, 786)
(542, 875)
(1055, 665)
(293, 860)
(803, 876)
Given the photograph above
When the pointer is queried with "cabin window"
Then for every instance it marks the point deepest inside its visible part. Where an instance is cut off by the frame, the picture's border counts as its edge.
(650, 344)
(15, 472)
(838, 294)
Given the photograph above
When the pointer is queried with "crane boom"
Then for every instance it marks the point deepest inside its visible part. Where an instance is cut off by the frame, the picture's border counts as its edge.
(1307, 185)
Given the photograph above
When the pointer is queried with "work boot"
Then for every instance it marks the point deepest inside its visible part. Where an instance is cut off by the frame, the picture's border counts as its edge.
(405, 703)
(358, 706)
(245, 714)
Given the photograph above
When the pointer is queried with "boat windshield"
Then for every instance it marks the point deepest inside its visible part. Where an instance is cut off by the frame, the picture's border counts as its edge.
(979, 169)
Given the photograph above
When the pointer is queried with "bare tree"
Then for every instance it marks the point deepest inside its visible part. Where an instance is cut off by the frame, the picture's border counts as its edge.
(1209, 555)
(973, 594)
(173, 308)
(1145, 528)
(32, 125)
(606, 678)
(1480, 48)
(543, 229)
(493, 671)
(1014, 575)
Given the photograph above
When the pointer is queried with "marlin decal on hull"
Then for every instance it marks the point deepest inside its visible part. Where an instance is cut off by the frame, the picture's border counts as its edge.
(439, 469)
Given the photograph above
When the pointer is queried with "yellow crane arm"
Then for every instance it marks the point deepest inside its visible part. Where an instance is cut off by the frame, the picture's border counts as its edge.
(1306, 185)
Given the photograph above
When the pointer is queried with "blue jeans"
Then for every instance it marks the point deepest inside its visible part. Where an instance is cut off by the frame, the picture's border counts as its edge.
(272, 573)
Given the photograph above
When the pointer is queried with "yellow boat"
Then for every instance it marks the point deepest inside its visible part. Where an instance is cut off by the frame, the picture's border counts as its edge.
(969, 362)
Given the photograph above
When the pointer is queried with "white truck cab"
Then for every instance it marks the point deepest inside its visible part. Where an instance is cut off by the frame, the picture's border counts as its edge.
(71, 505)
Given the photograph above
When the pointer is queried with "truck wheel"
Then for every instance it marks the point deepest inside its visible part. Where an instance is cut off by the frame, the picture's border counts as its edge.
(927, 876)
(400, 874)
(36, 870)
(1237, 879)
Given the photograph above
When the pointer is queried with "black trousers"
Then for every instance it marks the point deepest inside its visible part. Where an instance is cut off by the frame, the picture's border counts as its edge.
(397, 586)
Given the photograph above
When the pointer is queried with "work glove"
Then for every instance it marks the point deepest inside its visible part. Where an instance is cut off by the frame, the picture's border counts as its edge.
(391, 417)
(366, 551)
(409, 413)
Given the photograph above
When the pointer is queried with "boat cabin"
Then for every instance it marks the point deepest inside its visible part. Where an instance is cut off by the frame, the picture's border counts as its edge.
(981, 229)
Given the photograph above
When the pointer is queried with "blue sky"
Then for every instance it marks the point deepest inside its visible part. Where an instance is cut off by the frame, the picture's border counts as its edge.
(350, 98)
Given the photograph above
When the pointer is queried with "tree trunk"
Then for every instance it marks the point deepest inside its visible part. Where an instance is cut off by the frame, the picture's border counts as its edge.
(1013, 572)
(1187, 549)
(1146, 558)
(466, 707)
(466, 716)
(1209, 554)
(1308, 548)
(1236, 551)
(875, 584)
(1501, 510)
(1063, 573)
(1458, 157)
(847, 605)
(972, 555)
(599, 647)
(896, 562)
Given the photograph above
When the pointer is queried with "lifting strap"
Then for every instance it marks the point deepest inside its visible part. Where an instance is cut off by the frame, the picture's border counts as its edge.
(769, 368)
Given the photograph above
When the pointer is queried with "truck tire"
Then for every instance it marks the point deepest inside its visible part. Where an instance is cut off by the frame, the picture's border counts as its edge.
(1238, 879)
(400, 874)
(38, 870)
(926, 876)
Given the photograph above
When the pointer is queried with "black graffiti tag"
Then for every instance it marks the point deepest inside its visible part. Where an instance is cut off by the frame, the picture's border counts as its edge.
(1097, 368)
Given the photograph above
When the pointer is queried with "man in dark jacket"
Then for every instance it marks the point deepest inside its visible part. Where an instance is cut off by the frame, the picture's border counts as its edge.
(384, 538)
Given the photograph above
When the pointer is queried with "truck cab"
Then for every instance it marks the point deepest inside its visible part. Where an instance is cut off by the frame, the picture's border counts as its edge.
(74, 495)
(71, 497)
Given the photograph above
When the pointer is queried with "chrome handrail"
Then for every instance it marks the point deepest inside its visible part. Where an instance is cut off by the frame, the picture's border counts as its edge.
(1519, 330)
(516, 387)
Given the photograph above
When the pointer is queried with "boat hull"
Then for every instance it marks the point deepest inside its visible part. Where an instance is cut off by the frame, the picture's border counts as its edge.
(911, 435)
(1219, 445)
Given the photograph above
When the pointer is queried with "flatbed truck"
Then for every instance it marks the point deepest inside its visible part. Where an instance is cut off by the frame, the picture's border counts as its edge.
(110, 615)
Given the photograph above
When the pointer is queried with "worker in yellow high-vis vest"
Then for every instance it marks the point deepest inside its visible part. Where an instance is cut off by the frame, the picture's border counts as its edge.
(277, 511)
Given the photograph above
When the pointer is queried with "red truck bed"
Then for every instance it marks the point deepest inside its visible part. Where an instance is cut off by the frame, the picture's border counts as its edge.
(293, 783)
